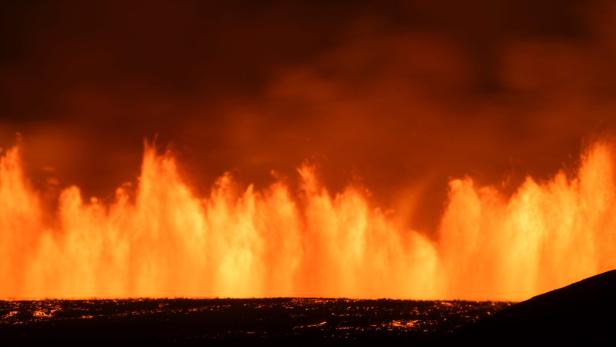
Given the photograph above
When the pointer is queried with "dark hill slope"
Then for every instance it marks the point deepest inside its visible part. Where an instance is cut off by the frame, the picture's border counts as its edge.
(583, 312)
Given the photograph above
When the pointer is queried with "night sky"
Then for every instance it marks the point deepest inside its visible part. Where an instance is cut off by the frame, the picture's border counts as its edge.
(396, 95)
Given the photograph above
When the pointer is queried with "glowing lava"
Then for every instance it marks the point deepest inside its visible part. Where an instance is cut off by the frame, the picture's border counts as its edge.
(161, 240)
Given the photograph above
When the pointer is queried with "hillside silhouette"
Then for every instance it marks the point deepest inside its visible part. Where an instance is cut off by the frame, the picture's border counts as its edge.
(581, 313)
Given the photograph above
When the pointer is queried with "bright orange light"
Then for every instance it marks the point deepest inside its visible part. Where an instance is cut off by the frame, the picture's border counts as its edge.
(162, 240)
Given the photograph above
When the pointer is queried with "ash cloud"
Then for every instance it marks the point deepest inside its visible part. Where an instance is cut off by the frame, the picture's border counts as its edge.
(399, 95)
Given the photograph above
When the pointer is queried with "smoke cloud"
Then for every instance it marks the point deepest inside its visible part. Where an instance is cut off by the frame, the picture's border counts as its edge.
(400, 96)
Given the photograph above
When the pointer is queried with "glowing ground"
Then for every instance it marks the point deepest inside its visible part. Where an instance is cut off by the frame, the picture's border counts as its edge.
(188, 321)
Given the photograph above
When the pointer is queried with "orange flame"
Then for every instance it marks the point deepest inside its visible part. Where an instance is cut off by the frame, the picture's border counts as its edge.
(162, 240)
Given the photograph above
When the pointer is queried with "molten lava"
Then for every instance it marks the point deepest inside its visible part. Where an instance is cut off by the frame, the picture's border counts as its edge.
(162, 240)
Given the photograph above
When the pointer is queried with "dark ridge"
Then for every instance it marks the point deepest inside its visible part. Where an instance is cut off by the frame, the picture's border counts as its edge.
(582, 313)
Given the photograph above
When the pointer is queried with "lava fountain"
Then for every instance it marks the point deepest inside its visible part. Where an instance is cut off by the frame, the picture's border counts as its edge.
(160, 239)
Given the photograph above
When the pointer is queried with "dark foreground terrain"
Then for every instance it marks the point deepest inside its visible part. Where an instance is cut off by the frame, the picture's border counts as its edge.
(583, 313)
(231, 321)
